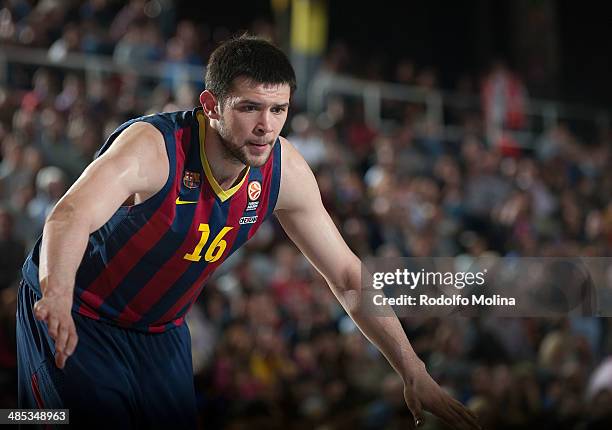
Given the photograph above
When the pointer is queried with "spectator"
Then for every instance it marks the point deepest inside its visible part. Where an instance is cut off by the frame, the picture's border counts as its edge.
(504, 101)
(11, 249)
(50, 187)
(270, 344)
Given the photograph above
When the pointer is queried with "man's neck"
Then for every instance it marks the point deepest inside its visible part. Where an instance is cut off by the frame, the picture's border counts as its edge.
(226, 172)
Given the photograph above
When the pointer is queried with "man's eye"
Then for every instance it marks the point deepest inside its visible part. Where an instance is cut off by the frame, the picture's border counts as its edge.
(249, 108)
(278, 110)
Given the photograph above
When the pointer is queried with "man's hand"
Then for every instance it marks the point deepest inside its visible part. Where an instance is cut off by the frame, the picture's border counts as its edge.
(136, 163)
(422, 392)
(55, 311)
(300, 210)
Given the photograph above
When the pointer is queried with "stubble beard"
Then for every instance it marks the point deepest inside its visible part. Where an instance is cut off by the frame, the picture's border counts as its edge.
(234, 152)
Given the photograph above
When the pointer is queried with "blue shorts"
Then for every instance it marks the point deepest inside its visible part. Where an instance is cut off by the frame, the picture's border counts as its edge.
(116, 378)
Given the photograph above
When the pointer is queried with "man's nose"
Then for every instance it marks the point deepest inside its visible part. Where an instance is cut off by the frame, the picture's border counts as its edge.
(264, 125)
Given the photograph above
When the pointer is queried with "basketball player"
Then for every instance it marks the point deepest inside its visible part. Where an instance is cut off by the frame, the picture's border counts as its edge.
(127, 250)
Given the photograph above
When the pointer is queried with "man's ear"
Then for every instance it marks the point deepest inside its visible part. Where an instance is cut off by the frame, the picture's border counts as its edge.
(209, 105)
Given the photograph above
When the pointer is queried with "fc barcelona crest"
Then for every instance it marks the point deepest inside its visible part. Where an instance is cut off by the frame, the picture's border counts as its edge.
(191, 179)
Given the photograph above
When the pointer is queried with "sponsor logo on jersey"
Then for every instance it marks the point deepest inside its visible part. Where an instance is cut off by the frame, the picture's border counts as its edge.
(251, 206)
(254, 190)
(248, 220)
(184, 202)
(191, 179)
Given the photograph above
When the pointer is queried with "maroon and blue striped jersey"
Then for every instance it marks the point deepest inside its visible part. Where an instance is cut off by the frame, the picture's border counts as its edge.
(146, 266)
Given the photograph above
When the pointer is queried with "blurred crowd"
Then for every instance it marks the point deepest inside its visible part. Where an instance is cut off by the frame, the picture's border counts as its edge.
(272, 348)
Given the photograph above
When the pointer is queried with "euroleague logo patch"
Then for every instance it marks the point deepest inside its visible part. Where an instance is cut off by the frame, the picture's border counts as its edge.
(254, 190)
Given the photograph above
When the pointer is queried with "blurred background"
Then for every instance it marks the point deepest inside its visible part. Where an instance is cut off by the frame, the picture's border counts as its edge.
(434, 129)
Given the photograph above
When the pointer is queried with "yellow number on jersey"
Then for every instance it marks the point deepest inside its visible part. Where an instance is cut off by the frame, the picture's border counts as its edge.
(216, 248)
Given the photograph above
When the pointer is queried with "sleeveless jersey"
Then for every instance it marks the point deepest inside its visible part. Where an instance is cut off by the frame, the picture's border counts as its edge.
(146, 266)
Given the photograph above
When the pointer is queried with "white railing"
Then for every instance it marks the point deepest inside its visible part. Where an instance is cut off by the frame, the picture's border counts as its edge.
(91, 65)
(372, 93)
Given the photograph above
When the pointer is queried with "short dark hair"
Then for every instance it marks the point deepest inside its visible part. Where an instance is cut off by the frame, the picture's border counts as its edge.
(247, 56)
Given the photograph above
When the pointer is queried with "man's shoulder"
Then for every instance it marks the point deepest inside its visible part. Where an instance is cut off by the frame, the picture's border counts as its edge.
(135, 137)
(180, 118)
(164, 123)
(297, 180)
(292, 161)
(164, 120)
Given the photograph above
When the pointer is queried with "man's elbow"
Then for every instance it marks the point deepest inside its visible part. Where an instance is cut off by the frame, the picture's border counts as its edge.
(63, 210)
(348, 288)
(66, 212)
(352, 301)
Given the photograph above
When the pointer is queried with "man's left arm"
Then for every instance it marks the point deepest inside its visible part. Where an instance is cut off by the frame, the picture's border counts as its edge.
(301, 213)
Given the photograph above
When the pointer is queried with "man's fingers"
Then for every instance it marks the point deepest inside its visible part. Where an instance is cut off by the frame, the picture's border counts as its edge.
(465, 414)
(71, 343)
(40, 311)
(462, 408)
(60, 360)
(53, 326)
(456, 420)
(471, 418)
(63, 353)
(447, 413)
(60, 327)
(60, 342)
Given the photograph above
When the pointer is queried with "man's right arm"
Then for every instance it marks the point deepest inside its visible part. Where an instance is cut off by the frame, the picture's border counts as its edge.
(136, 163)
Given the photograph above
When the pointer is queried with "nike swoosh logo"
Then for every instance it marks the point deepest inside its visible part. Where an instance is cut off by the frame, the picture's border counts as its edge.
(184, 202)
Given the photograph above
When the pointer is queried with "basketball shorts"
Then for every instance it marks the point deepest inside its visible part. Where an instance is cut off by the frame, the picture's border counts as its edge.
(116, 378)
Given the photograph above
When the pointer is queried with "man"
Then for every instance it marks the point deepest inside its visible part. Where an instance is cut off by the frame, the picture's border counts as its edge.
(126, 251)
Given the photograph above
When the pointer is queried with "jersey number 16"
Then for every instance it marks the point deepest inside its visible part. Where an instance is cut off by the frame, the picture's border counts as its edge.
(216, 248)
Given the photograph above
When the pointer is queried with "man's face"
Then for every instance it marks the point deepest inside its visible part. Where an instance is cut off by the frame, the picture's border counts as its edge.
(251, 119)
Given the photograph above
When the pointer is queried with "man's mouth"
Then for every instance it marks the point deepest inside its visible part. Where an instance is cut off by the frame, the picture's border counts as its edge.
(258, 148)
